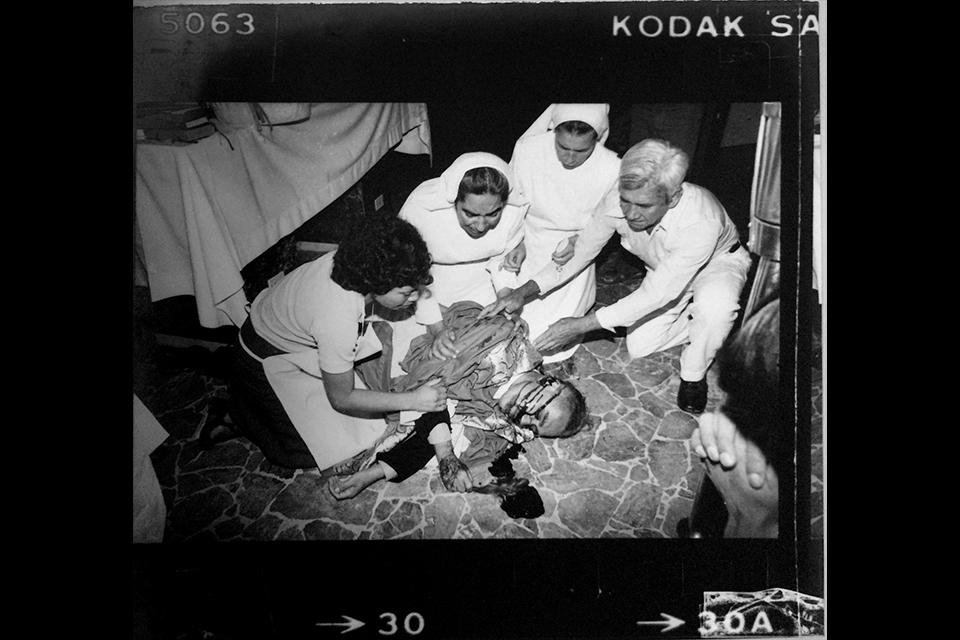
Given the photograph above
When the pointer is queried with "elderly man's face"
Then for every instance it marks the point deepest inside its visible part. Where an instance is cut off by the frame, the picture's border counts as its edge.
(644, 208)
(533, 401)
(479, 213)
(573, 150)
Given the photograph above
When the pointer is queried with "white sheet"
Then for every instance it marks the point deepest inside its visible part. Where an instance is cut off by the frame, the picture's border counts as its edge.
(149, 510)
(204, 210)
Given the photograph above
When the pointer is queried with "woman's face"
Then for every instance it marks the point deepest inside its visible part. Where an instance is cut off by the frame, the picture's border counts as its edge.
(479, 213)
(574, 150)
(398, 297)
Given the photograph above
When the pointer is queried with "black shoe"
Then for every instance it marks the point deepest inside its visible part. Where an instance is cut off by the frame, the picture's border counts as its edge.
(692, 396)
(218, 426)
(213, 434)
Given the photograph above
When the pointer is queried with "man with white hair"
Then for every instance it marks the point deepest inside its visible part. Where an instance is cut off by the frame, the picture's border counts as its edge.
(696, 268)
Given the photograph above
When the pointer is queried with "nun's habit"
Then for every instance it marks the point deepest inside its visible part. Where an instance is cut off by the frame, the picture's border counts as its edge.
(562, 202)
(464, 268)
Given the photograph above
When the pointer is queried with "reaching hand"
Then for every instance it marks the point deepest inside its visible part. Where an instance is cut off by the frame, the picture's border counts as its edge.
(430, 396)
(514, 258)
(454, 474)
(718, 439)
(564, 251)
(444, 347)
(558, 335)
(509, 302)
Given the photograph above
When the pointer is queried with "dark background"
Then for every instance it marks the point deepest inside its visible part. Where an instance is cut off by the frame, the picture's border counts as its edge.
(485, 72)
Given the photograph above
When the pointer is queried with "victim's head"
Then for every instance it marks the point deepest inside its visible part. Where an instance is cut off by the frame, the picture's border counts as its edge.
(552, 408)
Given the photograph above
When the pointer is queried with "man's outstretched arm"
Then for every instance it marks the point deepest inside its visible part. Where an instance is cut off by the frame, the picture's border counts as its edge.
(589, 243)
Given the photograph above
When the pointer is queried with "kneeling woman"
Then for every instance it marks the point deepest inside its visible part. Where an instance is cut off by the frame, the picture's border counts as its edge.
(294, 391)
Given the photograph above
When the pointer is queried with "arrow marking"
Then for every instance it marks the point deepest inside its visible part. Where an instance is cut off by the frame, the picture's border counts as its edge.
(669, 621)
(350, 624)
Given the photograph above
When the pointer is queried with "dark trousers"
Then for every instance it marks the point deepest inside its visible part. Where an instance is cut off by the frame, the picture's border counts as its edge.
(257, 412)
(414, 452)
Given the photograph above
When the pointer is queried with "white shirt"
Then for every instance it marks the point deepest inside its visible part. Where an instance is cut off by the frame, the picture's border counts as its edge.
(675, 250)
(307, 310)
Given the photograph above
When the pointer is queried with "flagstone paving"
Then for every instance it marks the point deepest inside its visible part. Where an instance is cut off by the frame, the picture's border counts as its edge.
(630, 474)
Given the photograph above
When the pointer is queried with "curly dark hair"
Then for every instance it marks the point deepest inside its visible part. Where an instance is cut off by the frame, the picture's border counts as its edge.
(749, 373)
(380, 252)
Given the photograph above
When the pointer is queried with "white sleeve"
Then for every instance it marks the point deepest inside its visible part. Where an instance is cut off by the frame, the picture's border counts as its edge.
(590, 242)
(694, 248)
(428, 311)
(500, 277)
(440, 433)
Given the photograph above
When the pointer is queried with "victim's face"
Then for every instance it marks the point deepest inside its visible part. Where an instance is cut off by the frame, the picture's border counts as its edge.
(532, 401)
(479, 213)
(398, 297)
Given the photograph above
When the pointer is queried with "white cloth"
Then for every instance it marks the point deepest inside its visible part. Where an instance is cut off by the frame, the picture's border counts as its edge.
(687, 254)
(318, 322)
(205, 210)
(562, 203)
(595, 115)
(464, 268)
(149, 510)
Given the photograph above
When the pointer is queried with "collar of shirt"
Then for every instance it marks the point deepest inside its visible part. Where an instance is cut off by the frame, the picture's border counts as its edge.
(670, 219)
(667, 224)
(506, 385)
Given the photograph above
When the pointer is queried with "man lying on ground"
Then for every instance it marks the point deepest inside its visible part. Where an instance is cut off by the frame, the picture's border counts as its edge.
(494, 385)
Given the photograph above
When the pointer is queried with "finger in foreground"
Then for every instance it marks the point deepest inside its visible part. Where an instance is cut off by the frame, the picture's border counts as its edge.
(696, 445)
(726, 434)
(756, 465)
(708, 440)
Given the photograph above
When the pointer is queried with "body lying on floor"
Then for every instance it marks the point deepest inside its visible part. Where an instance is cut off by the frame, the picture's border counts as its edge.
(497, 395)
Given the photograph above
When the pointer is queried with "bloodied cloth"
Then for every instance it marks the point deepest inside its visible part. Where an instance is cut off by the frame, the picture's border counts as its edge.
(492, 351)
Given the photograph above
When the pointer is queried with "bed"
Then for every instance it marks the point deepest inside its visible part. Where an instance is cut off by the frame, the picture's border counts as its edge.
(207, 209)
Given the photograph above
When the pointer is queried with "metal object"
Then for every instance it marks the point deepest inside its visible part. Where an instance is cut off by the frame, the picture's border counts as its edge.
(765, 210)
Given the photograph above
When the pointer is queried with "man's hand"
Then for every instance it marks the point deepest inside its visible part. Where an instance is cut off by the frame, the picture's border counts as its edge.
(718, 439)
(454, 474)
(564, 251)
(511, 301)
(562, 332)
(514, 258)
(430, 396)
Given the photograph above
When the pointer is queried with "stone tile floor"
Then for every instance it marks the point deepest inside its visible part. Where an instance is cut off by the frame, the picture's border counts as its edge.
(631, 475)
